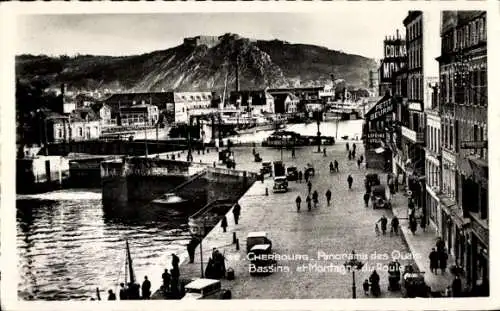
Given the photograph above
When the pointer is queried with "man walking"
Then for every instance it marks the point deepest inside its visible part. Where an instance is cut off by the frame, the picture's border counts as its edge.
(224, 224)
(315, 198)
(309, 187)
(293, 153)
(349, 181)
(366, 198)
(336, 164)
(300, 176)
(443, 260)
(433, 259)
(236, 213)
(383, 224)
(308, 200)
(394, 225)
(347, 146)
(328, 196)
(456, 287)
(298, 200)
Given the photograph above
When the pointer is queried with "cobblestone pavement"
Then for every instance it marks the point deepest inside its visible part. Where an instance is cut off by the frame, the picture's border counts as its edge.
(333, 230)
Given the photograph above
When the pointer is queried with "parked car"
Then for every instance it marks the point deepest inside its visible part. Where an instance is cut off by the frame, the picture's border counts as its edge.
(256, 238)
(292, 173)
(280, 184)
(205, 289)
(260, 261)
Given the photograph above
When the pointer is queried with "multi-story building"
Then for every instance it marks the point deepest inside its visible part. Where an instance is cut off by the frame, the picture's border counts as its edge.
(188, 104)
(139, 115)
(81, 124)
(463, 95)
(422, 43)
(286, 103)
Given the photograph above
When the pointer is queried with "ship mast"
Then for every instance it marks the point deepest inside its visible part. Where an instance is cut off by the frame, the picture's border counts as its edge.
(129, 262)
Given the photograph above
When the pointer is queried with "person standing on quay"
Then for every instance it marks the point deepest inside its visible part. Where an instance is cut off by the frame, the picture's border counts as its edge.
(298, 200)
(236, 213)
(146, 288)
(123, 292)
(347, 147)
(224, 224)
(328, 196)
(111, 295)
(191, 247)
(349, 181)
(166, 281)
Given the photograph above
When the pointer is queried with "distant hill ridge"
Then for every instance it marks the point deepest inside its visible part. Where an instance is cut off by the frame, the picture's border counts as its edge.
(202, 63)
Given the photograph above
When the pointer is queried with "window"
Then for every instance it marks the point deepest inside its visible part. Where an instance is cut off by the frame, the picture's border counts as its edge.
(80, 131)
(59, 133)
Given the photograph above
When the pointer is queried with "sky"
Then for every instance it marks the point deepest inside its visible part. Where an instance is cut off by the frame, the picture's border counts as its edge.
(354, 32)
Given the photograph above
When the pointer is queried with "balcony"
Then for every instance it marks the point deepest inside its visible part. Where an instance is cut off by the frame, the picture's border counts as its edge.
(415, 137)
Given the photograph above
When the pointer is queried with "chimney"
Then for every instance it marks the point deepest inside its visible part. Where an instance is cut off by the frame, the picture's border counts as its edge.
(397, 34)
(237, 74)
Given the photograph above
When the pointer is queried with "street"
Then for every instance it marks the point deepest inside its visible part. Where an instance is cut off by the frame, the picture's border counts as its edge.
(313, 242)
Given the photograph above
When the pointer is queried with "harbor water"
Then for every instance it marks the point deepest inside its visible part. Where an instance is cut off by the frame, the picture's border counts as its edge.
(68, 244)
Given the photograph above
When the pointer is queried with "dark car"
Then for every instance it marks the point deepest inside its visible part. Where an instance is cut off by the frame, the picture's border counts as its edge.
(292, 173)
(379, 197)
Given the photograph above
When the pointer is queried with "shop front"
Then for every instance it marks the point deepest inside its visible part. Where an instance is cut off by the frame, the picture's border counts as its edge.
(434, 209)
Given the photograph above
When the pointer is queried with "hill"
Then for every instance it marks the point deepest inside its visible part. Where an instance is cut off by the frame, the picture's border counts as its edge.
(189, 67)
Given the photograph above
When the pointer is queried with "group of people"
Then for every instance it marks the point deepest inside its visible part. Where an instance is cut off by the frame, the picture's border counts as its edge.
(374, 282)
(171, 280)
(383, 225)
(438, 257)
(131, 292)
(216, 266)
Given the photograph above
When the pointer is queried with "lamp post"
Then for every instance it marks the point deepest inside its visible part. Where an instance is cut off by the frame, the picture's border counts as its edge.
(200, 236)
(319, 133)
(353, 265)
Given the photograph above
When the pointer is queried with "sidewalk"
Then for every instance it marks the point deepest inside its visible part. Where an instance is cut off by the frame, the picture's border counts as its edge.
(421, 245)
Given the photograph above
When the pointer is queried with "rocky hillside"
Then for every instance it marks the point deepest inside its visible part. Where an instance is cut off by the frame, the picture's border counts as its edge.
(261, 63)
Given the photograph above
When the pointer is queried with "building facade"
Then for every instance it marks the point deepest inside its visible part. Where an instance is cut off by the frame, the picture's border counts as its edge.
(253, 102)
(463, 84)
(433, 165)
(139, 115)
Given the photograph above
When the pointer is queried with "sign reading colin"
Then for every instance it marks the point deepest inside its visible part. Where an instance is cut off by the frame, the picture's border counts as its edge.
(381, 109)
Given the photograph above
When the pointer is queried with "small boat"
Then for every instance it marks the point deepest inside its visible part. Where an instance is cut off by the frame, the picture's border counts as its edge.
(170, 200)
(207, 217)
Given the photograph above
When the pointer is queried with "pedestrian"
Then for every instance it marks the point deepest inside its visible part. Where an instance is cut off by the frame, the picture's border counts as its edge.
(224, 224)
(394, 225)
(315, 198)
(324, 152)
(111, 295)
(366, 286)
(300, 176)
(433, 260)
(298, 200)
(306, 176)
(146, 288)
(308, 200)
(123, 292)
(377, 230)
(349, 181)
(359, 163)
(347, 146)
(413, 224)
(440, 245)
(353, 146)
(336, 164)
(166, 277)
(456, 287)
(366, 198)
(349, 155)
(236, 213)
(331, 167)
(309, 186)
(383, 224)
(328, 196)
(353, 154)
(423, 224)
(191, 249)
(443, 260)
(174, 282)
(293, 153)
(175, 261)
